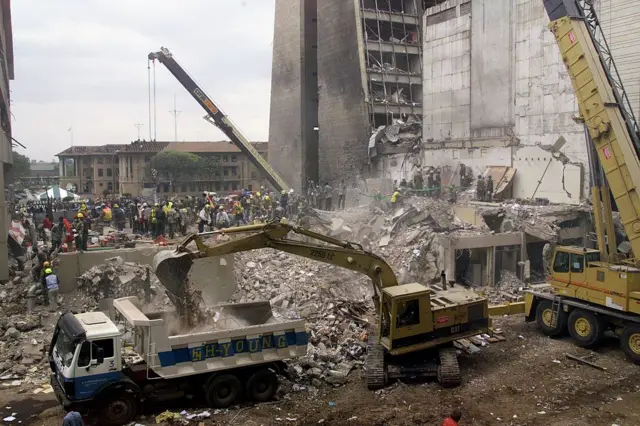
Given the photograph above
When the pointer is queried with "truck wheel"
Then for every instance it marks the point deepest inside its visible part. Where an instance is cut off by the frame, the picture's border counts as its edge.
(630, 342)
(223, 391)
(544, 315)
(586, 328)
(118, 409)
(262, 385)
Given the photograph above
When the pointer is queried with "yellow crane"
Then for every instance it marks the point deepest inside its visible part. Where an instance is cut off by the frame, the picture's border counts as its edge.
(595, 290)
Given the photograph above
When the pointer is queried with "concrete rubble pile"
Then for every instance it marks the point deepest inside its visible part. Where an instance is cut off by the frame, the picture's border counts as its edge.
(508, 289)
(117, 278)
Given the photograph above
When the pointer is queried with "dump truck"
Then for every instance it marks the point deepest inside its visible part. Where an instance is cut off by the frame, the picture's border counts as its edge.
(417, 323)
(93, 370)
(591, 291)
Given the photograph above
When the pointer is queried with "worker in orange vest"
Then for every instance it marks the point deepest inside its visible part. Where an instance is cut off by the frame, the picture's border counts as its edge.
(453, 419)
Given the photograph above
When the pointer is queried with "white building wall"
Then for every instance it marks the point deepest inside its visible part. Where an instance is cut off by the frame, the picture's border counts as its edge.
(542, 96)
(447, 72)
(620, 21)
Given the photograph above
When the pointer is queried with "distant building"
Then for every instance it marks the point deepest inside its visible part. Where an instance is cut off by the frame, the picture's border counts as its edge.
(235, 171)
(125, 169)
(42, 172)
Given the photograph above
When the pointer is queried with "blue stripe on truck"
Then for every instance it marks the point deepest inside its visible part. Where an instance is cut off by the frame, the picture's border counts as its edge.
(239, 346)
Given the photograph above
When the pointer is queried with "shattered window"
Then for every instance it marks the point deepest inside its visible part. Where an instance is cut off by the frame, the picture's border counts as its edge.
(561, 262)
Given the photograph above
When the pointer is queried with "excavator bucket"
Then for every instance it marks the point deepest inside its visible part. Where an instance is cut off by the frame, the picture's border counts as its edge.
(172, 268)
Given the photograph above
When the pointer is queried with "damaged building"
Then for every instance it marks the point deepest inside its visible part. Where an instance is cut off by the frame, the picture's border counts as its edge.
(498, 100)
(380, 88)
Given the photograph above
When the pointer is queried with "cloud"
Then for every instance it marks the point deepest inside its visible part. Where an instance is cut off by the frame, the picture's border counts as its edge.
(85, 64)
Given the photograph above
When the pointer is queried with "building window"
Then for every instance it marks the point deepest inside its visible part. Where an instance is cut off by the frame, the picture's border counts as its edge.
(147, 159)
(234, 186)
(110, 186)
(100, 172)
(225, 158)
(109, 172)
(225, 172)
(217, 185)
(108, 160)
(192, 187)
(225, 186)
(234, 158)
(87, 161)
(183, 188)
(100, 160)
(101, 184)
(234, 171)
(165, 187)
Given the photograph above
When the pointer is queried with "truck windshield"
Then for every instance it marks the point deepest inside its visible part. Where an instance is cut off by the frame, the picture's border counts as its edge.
(65, 348)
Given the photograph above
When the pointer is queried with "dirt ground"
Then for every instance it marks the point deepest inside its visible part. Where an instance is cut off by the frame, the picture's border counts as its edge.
(526, 380)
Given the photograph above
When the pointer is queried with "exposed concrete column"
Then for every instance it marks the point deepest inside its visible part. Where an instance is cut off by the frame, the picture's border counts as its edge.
(449, 264)
(61, 168)
(490, 265)
(4, 228)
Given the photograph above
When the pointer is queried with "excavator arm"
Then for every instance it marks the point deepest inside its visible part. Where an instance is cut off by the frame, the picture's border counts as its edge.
(172, 267)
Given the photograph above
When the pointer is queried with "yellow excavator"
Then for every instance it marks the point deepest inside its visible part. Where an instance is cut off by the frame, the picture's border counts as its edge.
(412, 318)
(595, 290)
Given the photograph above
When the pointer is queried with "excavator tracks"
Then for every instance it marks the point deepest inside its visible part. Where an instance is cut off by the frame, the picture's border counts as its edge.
(376, 373)
(448, 370)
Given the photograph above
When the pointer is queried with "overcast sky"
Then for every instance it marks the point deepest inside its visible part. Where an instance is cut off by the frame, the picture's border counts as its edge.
(84, 64)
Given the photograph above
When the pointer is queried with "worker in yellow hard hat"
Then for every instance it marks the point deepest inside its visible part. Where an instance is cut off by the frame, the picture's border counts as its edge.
(52, 286)
(78, 226)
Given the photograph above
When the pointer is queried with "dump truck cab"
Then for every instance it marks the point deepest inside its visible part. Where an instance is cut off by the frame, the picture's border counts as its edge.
(84, 356)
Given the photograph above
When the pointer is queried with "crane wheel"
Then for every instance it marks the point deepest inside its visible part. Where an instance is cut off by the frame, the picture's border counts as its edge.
(630, 342)
(376, 372)
(544, 317)
(586, 328)
(262, 385)
(449, 370)
(223, 391)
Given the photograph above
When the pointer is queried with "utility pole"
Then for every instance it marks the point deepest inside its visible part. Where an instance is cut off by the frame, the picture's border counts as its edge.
(175, 114)
(138, 126)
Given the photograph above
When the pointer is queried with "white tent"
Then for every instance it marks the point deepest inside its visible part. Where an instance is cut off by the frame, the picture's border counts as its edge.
(57, 193)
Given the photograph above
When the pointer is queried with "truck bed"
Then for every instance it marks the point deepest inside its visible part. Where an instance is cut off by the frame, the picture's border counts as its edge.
(244, 334)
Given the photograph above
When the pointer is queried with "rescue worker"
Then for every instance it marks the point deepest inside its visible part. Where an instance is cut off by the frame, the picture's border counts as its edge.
(133, 214)
(78, 231)
(246, 206)
(145, 216)
(107, 215)
(153, 220)
(278, 213)
(222, 218)
(52, 287)
(418, 180)
(83, 210)
(173, 219)
(311, 192)
(284, 199)
(489, 193)
(293, 203)
(438, 183)
(480, 188)
(319, 197)
(57, 235)
(266, 204)
(342, 193)
(328, 195)
(430, 184)
(453, 418)
(161, 221)
(204, 217)
(119, 217)
(395, 199)
(238, 213)
(184, 218)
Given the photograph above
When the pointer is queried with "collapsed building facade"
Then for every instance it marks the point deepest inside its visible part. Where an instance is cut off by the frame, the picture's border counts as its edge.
(386, 87)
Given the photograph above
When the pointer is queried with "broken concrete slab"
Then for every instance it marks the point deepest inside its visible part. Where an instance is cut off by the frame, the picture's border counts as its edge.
(384, 241)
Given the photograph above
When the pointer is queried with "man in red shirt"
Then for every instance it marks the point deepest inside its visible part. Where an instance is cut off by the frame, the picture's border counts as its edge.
(47, 223)
(453, 419)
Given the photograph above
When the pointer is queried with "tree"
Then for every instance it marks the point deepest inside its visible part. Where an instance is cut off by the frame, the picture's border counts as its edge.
(175, 166)
(208, 168)
(21, 165)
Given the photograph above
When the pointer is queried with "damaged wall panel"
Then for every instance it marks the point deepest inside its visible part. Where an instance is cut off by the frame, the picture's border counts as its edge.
(447, 71)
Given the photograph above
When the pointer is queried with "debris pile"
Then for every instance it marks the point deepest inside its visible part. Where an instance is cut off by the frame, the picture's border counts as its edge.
(117, 278)
(508, 289)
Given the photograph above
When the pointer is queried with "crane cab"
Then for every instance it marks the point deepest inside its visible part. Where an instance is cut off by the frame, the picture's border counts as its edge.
(416, 317)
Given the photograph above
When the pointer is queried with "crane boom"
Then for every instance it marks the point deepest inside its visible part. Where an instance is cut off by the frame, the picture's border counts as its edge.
(217, 117)
(603, 105)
